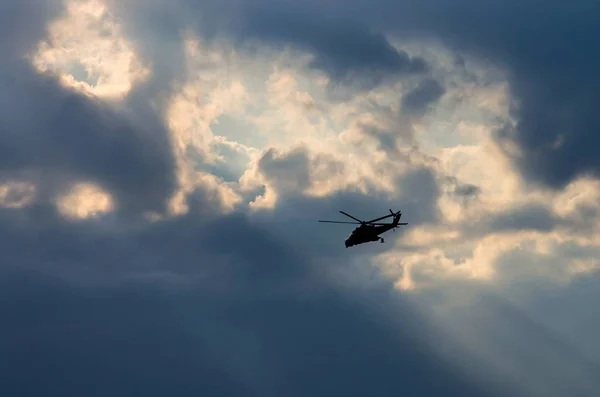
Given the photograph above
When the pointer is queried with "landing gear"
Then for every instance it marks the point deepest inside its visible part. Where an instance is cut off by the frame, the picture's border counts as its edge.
(381, 240)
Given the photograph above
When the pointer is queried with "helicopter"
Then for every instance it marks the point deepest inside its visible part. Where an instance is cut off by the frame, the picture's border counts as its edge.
(369, 231)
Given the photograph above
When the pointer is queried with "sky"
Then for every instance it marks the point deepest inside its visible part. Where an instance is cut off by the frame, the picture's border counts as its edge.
(163, 165)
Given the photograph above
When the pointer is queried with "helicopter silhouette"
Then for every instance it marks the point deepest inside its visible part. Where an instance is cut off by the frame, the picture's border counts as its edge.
(369, 231)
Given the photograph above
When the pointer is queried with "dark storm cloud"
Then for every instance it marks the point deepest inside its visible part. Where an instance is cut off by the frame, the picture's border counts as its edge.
(193, 246)
(68, 341)
(22, 24)
(424, 95)
(344, 51)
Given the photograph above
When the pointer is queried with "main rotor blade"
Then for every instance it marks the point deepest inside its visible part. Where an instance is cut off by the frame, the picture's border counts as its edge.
(387, 224)
(356, 219)
(352, 223)
(378, 219)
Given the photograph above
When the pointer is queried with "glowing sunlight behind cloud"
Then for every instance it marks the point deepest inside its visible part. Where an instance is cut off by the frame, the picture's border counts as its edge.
(84, 201)
(87, 49)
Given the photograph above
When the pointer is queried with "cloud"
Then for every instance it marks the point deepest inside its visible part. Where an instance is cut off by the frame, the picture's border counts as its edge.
(58, 140)
(85, 201)
(164, 339)
(345, 52)
(554, 118)
(467, 190)
(532, 217)
(87, 49)
(17, 194)
(418, 100)
(55, 137)
(288, 172)
(74, 139)
(549, 97)
(167, 233)
(22, 25)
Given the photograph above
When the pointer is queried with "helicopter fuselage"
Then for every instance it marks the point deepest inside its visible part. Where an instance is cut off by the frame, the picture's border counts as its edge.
(366, 234)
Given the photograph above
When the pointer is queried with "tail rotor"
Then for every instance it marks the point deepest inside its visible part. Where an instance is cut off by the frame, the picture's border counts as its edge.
(396, 216)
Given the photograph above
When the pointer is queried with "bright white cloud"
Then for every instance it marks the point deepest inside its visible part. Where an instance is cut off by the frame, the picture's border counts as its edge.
(87, 49)
(458, 134)
(239, 104)
(85, 200)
